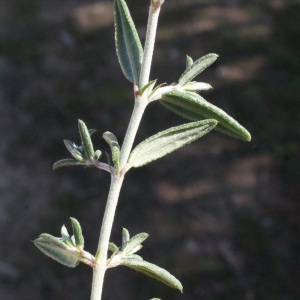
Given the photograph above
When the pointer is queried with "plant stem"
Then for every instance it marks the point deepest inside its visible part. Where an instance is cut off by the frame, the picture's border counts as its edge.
(140, 105)
(149, 44)
(100, 267)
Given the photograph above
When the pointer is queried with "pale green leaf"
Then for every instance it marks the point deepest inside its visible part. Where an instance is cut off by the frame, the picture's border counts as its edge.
(189, 62)
(112, 141)
(168, 141)
(125, 238)
(57, 250)
(154, 272)
(113, 247)
(77, 231)
(193, 107)
(134, 244)
(197, 67)
(128, 45)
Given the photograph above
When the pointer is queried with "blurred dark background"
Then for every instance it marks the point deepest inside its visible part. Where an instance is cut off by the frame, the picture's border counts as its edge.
(222, 214)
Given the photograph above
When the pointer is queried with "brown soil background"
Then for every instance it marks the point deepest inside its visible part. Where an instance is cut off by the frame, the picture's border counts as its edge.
(223, 215)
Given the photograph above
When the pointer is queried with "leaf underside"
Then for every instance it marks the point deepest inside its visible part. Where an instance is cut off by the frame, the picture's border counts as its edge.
(193, 107)
(153, 271)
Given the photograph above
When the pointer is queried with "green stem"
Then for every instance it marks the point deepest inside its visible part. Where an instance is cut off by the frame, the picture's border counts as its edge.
(154, 11)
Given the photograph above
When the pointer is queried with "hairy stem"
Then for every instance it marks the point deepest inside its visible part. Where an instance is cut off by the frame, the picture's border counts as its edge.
(154, 11)
(140, 105)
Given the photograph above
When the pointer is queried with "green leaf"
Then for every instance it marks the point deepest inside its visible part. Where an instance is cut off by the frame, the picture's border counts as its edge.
(153, 271)
(57, 250)
(125, 238)
(168, 141)
(113, 247)
(197, 67)
(193, 107)
(149, 86)
(77, 231)
(189, 62)
(76, 151)
(86, 140)
(66, 162)
(134, 244)
(66, 237)
(112, 141)
(128, 45)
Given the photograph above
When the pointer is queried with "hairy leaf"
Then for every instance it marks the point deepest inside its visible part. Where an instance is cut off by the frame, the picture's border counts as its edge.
(154, 272)
(128, 45)
(57, 250)
(125, 238)
(86, 140)
(66, 162)
(189, 62)
(77, 231)
(113, 247)
(193, 107)
(134, 244)
(168, 141)
(196, 68)
(112, 141)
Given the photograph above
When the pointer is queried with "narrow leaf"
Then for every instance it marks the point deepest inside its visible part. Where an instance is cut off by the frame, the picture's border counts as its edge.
(128, 45)
(74, 150)
(193, 107)
(112, 141)
(125, 238)
(77, 231)
(168, 141)
(154, 272)
(149, 86)
(134, 243)
(189, 62)
(66, 162)
(86, 140)
(64, 256)
(197, 67)
(66, 237)
(113, 247)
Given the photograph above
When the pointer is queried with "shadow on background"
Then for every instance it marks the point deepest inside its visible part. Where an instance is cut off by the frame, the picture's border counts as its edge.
(223, 215)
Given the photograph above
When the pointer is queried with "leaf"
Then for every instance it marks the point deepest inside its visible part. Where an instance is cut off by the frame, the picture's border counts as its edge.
(66, 162)
(77, 231)
(153, 271)
(193, 107)
(189, 62)
(128, 45)
(168, 141)
(112, 141)
(134, 244)
(75, 151)
(57, 250)
(125, 238)
(86, 140)
(113, 247)
(149, 86)
(66, 237)
(197, 67)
